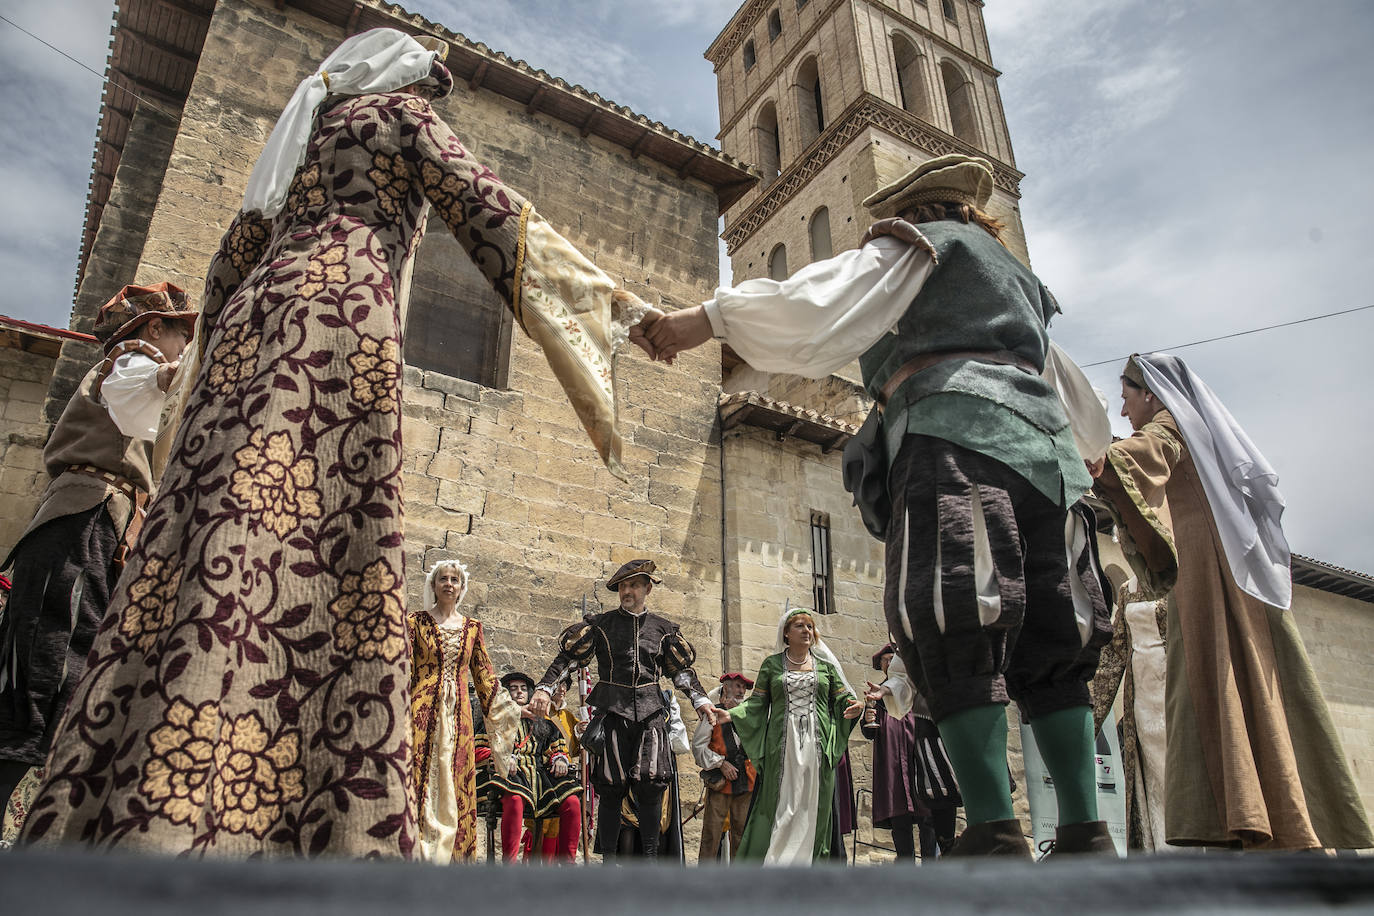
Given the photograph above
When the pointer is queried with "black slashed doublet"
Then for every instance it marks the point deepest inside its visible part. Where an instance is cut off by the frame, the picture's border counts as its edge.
(631, 654)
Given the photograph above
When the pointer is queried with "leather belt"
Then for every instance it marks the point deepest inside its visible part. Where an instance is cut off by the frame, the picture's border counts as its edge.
(137, 494)
(926, 360)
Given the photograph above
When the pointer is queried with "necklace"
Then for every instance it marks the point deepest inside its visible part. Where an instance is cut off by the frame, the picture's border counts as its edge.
(793, 661)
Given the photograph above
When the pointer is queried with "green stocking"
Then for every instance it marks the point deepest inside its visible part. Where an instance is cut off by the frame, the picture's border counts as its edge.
(976, 741)
(1065, 741)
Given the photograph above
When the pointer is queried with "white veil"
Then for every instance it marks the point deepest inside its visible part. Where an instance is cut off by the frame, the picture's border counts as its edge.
(379, 60)
(1242, 488)
(818, 648)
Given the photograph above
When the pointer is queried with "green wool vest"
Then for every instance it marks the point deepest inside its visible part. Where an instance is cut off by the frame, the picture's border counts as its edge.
(979, 297)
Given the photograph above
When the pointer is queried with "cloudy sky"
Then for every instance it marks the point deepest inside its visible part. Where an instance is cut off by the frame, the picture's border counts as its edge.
(1193, 169)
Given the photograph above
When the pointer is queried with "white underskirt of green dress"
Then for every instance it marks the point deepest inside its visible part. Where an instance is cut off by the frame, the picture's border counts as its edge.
(794, 823)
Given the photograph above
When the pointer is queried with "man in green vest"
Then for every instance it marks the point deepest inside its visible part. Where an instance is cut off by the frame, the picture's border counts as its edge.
(984, 601)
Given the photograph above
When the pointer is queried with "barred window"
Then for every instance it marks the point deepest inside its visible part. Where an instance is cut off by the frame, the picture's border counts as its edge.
(822, 578)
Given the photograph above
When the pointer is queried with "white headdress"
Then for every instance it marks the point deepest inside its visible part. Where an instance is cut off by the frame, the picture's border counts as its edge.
(818, 647)
(1242, 487)
(380, 60)
(429, 582)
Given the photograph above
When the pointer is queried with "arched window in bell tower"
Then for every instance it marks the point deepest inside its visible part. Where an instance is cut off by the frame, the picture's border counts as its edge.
(959, 95)
(748, 56)
(768, 142)
(911, 81)
(810, 109)
(947, 7)
(774, 25)
(777, 263)
(821, 247)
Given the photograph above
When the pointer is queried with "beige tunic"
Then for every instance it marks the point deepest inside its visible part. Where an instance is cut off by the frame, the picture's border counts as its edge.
(1252, 755)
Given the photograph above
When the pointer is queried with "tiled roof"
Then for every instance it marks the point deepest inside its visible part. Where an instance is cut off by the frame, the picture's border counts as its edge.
(750, 408)
(1334, 579)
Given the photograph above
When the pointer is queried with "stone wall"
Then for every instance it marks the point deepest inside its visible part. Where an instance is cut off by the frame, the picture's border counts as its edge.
(119, 241)
(24, 380)
(1338, 632)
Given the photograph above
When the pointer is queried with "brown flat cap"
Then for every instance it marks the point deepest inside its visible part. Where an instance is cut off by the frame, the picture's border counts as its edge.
(633, 568)
(134, 306)
(955, 178)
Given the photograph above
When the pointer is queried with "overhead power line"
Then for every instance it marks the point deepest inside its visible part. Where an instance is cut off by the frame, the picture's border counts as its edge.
(102, 77)
(1195, 343)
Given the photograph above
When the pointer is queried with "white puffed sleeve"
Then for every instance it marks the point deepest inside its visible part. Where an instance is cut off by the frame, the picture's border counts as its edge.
(131, 395)
(825, 315)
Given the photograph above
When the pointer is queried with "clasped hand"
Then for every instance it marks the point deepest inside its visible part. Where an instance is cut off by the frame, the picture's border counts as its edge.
(662, 336)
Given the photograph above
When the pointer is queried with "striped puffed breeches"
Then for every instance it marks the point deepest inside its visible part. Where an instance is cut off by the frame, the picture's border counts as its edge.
(993, 591)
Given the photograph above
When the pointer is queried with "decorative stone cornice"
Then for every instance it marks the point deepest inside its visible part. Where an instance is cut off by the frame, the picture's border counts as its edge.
(866, 111)
(735, 30)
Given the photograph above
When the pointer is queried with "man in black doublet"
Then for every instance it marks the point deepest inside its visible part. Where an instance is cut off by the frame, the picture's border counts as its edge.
(633, 649)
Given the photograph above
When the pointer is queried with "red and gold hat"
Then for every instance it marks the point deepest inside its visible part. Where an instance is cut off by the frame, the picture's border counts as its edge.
(133, 306)
(736, 676)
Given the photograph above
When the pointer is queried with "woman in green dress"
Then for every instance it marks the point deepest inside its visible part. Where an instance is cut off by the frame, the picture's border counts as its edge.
(795, 726)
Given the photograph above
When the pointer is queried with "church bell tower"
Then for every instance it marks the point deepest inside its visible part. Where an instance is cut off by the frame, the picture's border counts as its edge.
(832, 99)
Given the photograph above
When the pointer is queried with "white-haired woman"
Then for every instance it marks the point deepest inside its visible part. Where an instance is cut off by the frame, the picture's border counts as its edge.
(449, 652)
(795, 726)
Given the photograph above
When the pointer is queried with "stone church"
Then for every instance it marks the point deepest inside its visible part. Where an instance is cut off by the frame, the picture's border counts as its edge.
(734, 474)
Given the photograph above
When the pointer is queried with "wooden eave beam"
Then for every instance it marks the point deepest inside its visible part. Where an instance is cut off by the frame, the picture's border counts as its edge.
(639, 144)
(179, 10)
(790, 430)
(353, 16)
(158, 45)
(687, 165)
(533, 105)
(586, 128)
(148, 89)
(478, 75)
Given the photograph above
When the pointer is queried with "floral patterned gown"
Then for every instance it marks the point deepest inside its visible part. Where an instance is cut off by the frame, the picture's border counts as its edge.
(249, 690)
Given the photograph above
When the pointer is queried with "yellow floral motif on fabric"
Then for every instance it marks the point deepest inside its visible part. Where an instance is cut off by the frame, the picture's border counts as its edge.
(369, 618)
(235, 358)
(376, 368)
(176, 776)
(391, 175)
(254, 777)
(329, 267)
(445, 191)
(245, 243)
(306, 193)
(274, 482)
(152, 603)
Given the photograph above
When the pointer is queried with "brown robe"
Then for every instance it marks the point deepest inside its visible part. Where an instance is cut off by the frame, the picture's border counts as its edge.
(1252, 755)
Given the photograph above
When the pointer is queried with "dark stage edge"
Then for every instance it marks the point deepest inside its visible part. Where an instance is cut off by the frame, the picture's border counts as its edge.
(34, 883)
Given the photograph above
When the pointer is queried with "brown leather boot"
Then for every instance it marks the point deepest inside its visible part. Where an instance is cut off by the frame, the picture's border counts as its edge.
(1087, 838)
(992, 838)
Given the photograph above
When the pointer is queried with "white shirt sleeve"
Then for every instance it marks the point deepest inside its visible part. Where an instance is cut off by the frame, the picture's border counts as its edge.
(903, 695)
(706, 758)
(131, 395)
(1085, 405)
(677, 732)
(825, 315)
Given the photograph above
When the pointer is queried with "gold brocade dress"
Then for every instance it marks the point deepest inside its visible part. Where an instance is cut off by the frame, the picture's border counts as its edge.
(444, 766)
